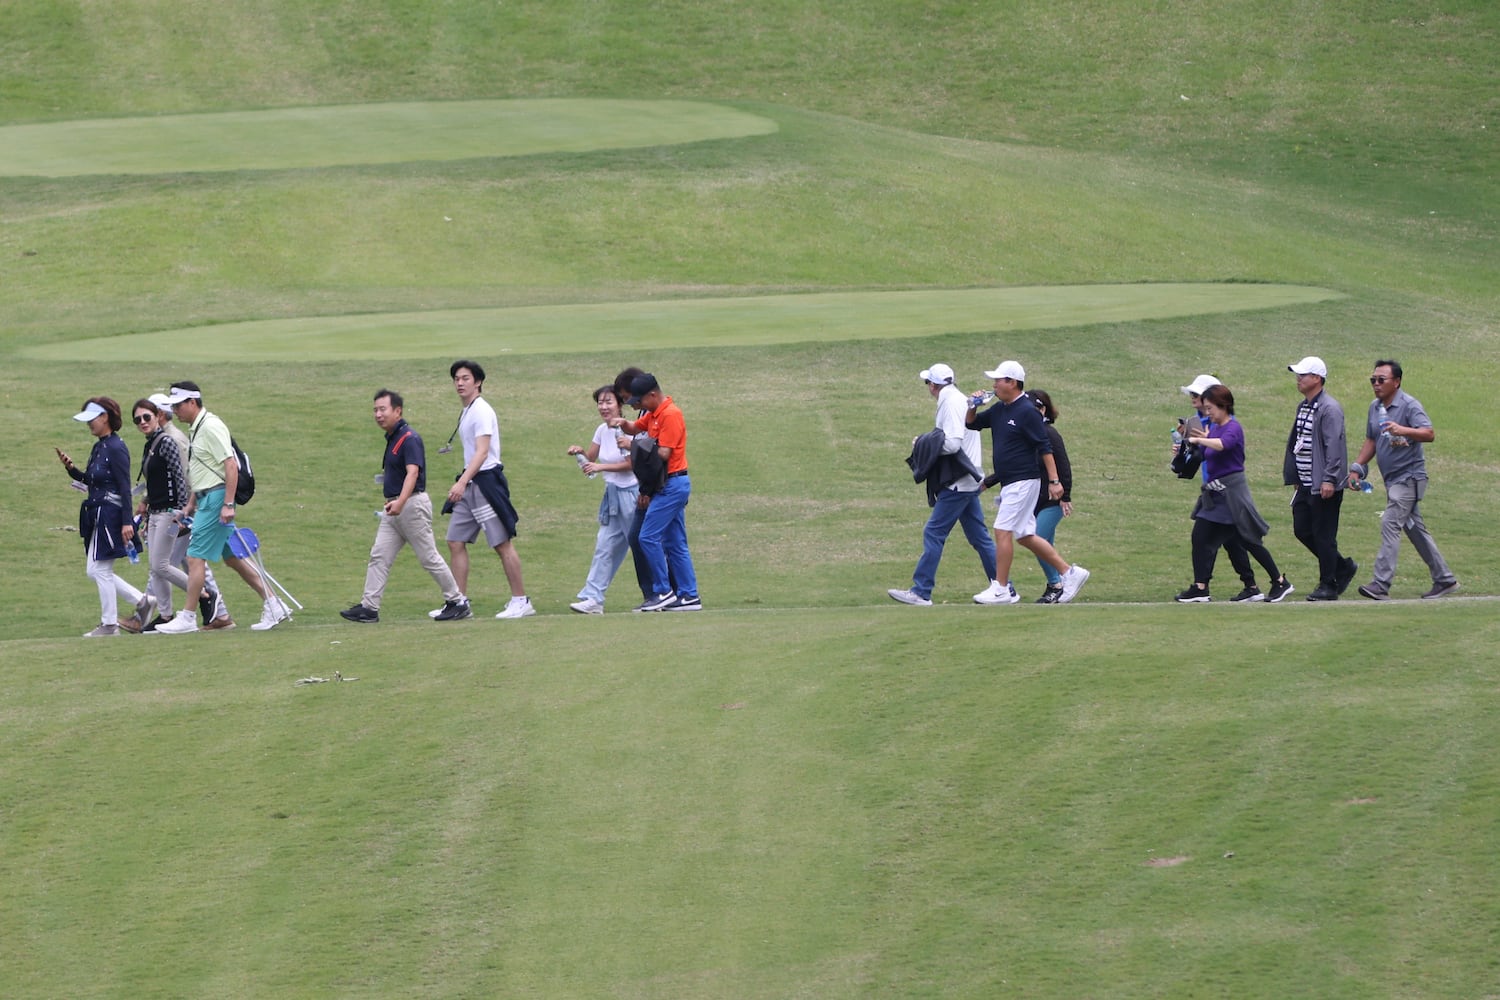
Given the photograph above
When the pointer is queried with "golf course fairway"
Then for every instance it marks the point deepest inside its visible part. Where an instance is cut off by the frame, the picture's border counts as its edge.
(325, 136)
(685, 323)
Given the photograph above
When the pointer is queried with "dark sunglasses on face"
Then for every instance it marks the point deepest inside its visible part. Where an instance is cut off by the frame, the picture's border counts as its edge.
(1379, 379)
(143, 418)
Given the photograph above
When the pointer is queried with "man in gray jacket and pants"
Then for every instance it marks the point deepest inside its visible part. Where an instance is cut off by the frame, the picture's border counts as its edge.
(1317, 464)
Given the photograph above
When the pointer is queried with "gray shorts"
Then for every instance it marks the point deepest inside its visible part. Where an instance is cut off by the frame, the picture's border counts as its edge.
(473, 514)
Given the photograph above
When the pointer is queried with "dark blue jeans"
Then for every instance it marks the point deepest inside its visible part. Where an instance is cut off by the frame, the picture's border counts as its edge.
(953, 507)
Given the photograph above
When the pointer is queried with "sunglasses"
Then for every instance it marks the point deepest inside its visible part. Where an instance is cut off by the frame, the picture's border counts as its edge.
(144, 418)
(1379, 379)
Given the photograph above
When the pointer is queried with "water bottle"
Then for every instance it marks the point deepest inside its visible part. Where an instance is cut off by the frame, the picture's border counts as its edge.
(981, 399)
(1364, 486)
(1381, 415)
(582, 461)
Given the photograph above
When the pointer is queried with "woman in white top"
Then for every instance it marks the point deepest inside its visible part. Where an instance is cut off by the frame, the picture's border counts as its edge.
(608, 453)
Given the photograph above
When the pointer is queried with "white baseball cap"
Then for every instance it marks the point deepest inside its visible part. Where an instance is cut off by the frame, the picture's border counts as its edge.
(1010, 370)
(89, 412)
(1309, 365)
(938, 374)
(1200, 385)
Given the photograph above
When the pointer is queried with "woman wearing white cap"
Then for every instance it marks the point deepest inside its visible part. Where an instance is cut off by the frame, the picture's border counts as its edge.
(104, 518)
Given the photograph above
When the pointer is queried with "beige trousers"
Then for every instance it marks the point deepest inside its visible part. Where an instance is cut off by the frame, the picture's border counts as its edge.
(413, 526)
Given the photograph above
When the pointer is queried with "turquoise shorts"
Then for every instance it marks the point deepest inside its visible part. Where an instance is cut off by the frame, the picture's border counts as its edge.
(210, 538)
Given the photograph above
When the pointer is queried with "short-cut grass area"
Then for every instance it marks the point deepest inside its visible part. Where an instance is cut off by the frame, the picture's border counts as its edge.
(805, 790)
(692, 323)
(286, 138)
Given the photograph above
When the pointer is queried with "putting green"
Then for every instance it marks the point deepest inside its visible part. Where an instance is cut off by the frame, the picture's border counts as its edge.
(683, 323)
(361, 133)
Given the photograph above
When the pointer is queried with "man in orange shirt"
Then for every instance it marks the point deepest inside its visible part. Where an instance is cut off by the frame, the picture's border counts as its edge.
(664, 526)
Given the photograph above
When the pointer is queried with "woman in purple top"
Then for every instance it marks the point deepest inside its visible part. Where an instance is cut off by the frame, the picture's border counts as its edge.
(1225, 509)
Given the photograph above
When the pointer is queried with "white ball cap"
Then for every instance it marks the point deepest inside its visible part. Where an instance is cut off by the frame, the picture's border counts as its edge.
(1309, 365)
(1010, 370)
(1200, 385)
(938, 374)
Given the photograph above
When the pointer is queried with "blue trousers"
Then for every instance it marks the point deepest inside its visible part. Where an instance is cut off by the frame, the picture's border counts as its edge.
(664, 539)
(952, 507)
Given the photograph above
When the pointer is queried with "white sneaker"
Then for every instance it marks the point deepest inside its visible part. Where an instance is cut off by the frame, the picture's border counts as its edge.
(272, 613)
(183, 622)
(909, 597)
(1072, 582)
(998, 593)
(588, 606)
(517, 607)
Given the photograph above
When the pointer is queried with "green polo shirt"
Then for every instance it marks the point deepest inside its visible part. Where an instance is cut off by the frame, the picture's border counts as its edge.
(208, 450)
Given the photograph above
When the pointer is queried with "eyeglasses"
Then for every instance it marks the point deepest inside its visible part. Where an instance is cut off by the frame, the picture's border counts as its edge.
(144, 418)
(1379, 379)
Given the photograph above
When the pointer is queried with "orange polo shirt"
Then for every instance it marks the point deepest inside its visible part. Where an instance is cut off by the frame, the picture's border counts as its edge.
(665, 423)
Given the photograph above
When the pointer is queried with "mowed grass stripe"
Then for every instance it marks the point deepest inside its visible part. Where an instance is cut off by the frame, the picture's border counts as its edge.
(361, 133)
(684, 323)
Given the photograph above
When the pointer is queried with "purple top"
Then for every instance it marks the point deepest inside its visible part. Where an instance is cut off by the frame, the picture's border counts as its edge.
(1232, 458)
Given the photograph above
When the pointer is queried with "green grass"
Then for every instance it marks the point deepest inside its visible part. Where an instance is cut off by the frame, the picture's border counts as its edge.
(805, 790)
(698, 322)
(360, 134)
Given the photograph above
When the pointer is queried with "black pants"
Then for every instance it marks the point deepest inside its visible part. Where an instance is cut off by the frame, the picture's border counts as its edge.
(1209, 536)
(1315, 522)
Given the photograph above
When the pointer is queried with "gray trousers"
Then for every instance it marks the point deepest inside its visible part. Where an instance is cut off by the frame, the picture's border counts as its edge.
(161, 539)
(1402, 514)
(413, 526)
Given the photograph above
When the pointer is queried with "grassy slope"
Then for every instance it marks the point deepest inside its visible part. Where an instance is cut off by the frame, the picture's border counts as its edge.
(527, 813)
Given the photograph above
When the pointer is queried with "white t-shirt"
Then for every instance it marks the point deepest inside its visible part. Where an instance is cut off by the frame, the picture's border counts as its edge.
(478, 420)
(607, 438)
(952, 406)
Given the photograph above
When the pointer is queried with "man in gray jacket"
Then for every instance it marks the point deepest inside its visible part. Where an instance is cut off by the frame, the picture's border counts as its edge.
(1317, 464)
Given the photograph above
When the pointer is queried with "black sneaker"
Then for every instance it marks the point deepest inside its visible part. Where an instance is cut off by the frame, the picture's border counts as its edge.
(453, 611)
(685, 604)
(1279, 589)
(1251, 594)
(1051, 595)
(360, 613)
(1193, 595)
(1440, 590)
(1345, 575)
(658, 603)
(207, 601)
(151, 625)
(1323, 592)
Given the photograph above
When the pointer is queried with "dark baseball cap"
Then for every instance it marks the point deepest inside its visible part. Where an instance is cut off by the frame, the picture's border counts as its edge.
(639, 386)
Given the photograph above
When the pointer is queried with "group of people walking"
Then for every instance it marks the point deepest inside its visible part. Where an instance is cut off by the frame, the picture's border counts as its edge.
(1315, 463)
(1209, 448)
(187, 481)
(186, 507)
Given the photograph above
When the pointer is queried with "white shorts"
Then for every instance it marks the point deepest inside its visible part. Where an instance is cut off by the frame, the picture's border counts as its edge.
(473, 514)
(1017, 507)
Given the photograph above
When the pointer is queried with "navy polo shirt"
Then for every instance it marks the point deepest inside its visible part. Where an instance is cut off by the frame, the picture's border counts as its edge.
(403, 447)
(1020, 438)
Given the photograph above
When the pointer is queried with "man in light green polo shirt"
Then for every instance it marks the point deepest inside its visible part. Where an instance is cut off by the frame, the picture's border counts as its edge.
(213, 477)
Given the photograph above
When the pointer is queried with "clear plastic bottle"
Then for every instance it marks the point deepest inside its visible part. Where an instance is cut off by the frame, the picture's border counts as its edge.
(1381, 416)
(582, 461)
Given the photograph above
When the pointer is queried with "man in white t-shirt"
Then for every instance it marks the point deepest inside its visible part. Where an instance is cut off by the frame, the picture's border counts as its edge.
(479, 499)
(955, 501)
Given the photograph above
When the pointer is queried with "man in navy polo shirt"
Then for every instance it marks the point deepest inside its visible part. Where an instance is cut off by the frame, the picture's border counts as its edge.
(1022, 451)
(406, 518)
